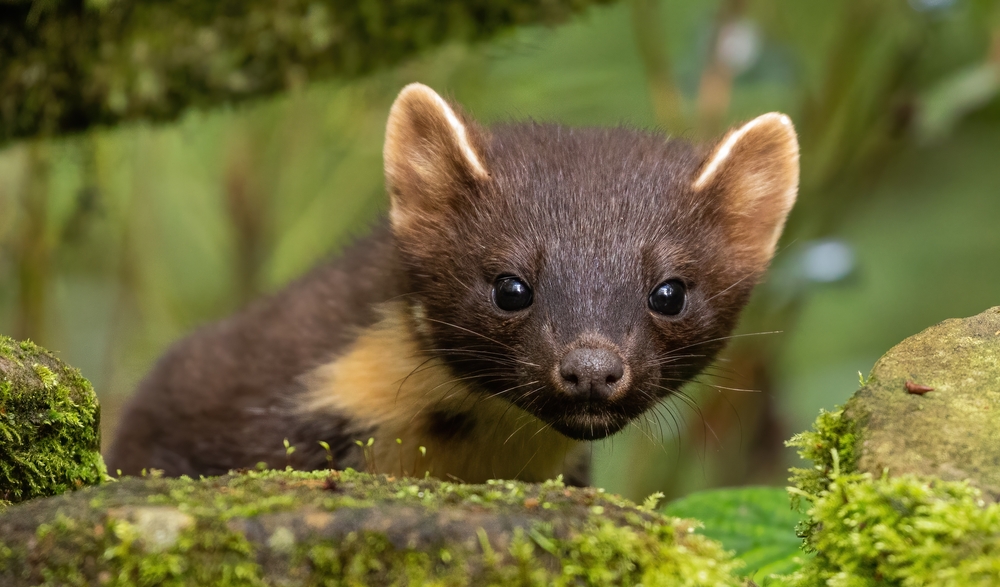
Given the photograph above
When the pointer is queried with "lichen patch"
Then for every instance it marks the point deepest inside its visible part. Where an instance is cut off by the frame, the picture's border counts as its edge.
(158, 528)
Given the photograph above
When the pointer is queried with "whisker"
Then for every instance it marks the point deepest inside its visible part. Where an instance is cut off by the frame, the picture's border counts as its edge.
(545, 426)
(499, 393)
(448, 395)
(528, 461)
(738, 281)
(644, 433)
(479, 334)
(481, 353)
(673, 358)
(519, 428)
(408, 375)
(694, 407)
(476, 375)
(712, 385)
(528, 394)
(720, 338)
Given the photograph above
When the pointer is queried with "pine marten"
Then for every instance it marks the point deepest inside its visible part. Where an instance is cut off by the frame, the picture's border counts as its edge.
(533, 287)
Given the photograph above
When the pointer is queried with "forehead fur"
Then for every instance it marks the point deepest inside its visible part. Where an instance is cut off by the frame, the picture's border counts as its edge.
(590, 184)
(576, 162)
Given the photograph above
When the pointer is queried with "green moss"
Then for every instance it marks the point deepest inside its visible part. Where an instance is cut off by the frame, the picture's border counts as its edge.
(49, 425)
(65, 66)
(830, 447)
(907, 531)
(349, 528)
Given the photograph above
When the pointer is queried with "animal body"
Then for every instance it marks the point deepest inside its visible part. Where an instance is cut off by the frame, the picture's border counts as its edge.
(534, 287)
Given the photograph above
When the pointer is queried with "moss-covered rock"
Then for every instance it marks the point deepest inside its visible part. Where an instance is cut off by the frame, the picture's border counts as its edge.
(952, 432)
(49, 425)
(905, 481)
(349, 528)
(67, 65)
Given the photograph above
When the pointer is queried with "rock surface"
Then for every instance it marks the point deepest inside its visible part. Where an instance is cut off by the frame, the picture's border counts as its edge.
(349, 528)
(49, 425)
(951, 432)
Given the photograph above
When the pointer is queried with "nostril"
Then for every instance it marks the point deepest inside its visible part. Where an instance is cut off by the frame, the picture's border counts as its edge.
(591, 372)
(614, 369)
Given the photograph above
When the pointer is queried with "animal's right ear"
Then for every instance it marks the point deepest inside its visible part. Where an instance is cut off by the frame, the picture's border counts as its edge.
(431, 153)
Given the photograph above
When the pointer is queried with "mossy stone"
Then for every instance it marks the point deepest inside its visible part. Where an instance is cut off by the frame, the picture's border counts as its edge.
(49, 425)
(903, 487)
(951, 433)
(350, 528)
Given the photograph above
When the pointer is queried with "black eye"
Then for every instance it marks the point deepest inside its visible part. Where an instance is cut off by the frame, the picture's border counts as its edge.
(511, 294)
(668, 297)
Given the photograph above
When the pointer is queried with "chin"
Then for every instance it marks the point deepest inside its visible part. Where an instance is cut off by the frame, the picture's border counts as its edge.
(589, 426)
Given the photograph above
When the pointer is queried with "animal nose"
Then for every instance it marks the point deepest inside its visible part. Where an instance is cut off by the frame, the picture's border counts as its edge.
(591, 373)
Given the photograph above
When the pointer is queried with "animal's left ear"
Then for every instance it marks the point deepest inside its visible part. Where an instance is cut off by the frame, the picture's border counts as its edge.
(754, 172)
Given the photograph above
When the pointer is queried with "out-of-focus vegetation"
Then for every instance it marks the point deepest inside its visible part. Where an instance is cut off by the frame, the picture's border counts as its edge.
(66, 66)
(116, 242)
(753, 522)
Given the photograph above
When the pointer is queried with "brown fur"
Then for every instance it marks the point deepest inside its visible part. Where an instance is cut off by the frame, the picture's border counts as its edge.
(400, 338)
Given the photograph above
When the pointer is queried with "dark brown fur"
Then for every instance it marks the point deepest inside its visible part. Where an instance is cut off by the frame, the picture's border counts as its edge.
(224, 397)
(592, 218)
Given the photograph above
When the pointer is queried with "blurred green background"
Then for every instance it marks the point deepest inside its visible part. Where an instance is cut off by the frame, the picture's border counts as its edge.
(118, 241)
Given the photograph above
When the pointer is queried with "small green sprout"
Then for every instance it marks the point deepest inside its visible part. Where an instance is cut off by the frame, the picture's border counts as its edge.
(366, 449)
(399, 443)
(329, 453)
(652, 501)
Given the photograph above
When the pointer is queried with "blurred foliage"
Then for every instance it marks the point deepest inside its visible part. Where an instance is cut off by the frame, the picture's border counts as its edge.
(755, 523)
(65, 66)
(113, 243)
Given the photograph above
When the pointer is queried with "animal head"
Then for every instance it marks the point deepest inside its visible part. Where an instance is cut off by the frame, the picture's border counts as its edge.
(582, 274)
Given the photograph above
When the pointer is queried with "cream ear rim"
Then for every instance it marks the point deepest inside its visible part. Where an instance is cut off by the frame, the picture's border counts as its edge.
(461, 137)
(723, 151)
(458, 129)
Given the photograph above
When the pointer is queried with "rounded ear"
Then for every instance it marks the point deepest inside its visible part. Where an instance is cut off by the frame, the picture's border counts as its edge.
(754, 173)
(430, 155)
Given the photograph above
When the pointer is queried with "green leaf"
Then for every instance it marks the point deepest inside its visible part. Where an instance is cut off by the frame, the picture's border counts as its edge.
(757, 523)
